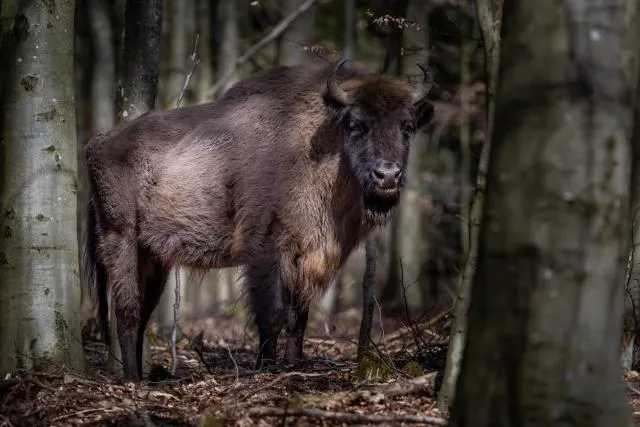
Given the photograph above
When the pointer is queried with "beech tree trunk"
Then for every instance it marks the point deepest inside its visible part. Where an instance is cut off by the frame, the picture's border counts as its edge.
(546, 307)
(39, 283)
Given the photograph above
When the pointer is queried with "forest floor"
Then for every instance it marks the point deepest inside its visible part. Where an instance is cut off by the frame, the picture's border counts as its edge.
(216, 383)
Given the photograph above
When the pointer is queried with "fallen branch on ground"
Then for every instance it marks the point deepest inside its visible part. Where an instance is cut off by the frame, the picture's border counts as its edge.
(397, 388)
(348, 417)
(279, 379)
(424, 326)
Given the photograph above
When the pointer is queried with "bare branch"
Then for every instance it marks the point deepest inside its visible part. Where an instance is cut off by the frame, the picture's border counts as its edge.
(176, 318)
(195, 59)
(273, 34)
(235, 364)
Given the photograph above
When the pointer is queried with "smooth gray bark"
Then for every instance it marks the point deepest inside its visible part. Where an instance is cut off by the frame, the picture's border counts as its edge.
(39, 281)
(546, 308)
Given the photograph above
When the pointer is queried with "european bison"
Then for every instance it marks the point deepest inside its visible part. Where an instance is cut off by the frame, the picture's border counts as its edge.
(284, 175)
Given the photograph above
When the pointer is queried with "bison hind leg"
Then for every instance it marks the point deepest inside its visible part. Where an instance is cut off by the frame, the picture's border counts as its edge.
(119, 257)
(266, 298)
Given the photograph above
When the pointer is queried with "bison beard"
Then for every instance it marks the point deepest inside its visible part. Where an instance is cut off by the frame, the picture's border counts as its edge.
(284, 175)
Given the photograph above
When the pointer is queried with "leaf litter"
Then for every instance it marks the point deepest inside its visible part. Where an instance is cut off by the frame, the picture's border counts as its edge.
(216, 383)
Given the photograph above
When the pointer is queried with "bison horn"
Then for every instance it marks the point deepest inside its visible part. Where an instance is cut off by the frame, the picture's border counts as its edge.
(334, 91)
(427, 83)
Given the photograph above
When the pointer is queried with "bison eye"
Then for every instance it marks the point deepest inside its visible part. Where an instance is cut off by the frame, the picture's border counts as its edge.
(408, 127)
(357, 127)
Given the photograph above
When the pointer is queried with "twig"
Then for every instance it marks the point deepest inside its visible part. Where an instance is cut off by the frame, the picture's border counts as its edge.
(414, 333)
(281, 378)
(633, 389)
(384, 341)
(235, 364)
(5, 421)
(195, 59)
(176, 317)
(87, 411)
(348, 417)
(273, 34)
(424, 326)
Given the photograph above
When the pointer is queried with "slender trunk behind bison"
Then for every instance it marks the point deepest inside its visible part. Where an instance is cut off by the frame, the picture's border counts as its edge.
(135, 96)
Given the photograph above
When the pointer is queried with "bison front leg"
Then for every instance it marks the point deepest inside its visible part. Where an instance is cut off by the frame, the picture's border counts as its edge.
(297, 317)
(266, 297)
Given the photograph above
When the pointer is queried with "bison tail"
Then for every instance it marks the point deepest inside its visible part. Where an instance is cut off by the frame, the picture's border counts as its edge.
(94, 278)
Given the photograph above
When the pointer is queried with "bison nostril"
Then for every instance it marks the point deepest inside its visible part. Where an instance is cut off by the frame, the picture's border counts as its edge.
(378, 174)
(386, 173)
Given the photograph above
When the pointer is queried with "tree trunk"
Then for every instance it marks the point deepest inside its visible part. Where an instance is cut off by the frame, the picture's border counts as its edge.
(350, 29)
(82, 58)
(631, 326)
(229, 42)
(366, 321)
(204, 71)
(546, 307)
(136, 94)
(39, 284)
(489, 15)
(465, 133)
(138, 82)
(103, 78)
(393, 56)
(407, 245)
(298, 35)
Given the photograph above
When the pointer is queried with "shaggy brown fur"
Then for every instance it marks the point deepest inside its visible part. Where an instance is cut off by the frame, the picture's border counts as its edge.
(285, 175)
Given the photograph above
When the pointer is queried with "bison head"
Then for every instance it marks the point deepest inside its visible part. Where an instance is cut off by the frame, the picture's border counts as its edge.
(379, 115)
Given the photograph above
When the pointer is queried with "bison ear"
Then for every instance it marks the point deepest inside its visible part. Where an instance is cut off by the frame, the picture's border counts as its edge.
(424, 112)
(333, 94)
(421, 103)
